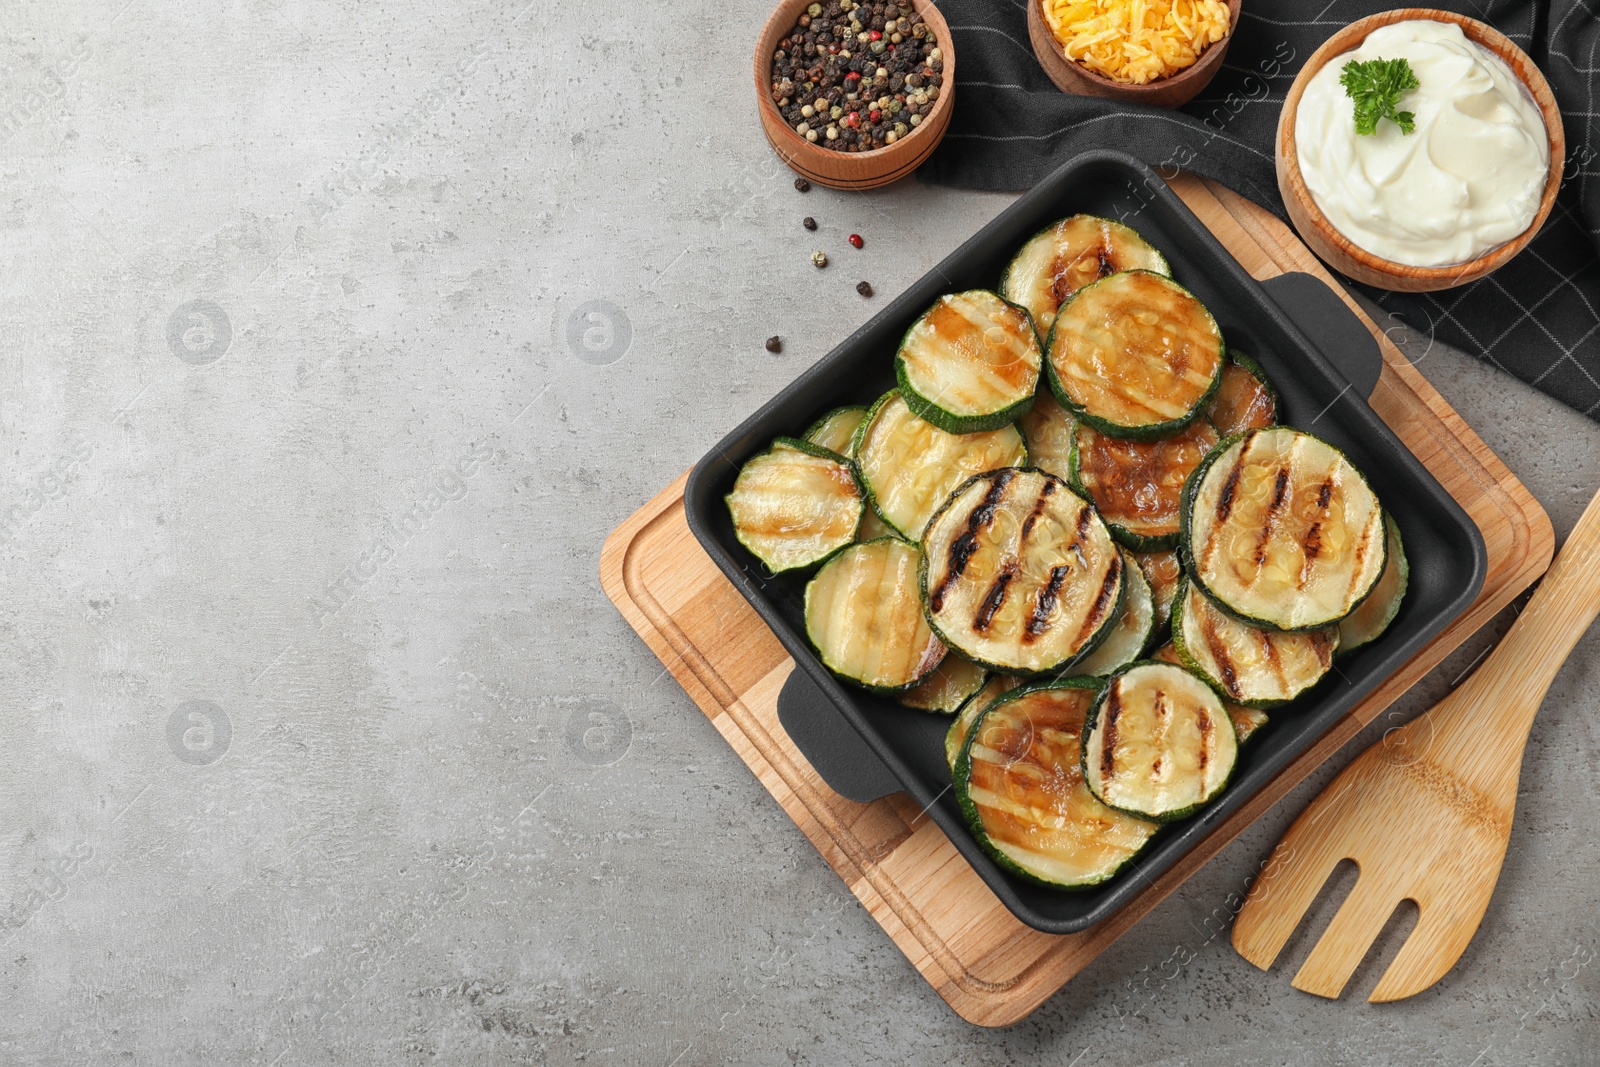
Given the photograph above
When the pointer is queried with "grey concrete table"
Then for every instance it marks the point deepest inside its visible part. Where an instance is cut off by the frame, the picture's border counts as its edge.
(336, 338)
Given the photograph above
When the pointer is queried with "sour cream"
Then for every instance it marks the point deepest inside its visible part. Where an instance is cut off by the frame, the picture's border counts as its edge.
(1468, 179)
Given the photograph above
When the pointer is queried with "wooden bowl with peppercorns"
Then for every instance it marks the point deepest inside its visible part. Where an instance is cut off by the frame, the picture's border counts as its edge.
(854, 95)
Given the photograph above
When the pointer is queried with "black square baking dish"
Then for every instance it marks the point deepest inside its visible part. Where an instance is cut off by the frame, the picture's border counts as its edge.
(1444, 547)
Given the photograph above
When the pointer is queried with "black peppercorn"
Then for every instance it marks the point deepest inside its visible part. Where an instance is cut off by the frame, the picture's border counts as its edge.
(802, 185)
(864, 288)
(809, 223)
(774, 344)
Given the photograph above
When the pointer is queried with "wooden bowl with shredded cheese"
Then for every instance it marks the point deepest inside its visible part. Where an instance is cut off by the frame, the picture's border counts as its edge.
(1094, 47)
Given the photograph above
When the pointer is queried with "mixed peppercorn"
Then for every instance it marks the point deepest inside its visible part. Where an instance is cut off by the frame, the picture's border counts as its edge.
(856, 76)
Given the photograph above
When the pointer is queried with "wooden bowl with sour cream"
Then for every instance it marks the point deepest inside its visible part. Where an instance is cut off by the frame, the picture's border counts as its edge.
(1175, 90)
(1355, 262)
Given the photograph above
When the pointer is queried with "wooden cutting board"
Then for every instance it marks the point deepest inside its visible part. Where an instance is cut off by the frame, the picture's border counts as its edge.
(986, 965)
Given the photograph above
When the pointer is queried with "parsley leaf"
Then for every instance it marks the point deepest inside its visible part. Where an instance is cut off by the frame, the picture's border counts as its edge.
(1375, 86)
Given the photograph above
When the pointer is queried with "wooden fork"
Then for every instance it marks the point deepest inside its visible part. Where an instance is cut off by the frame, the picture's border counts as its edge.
(1426, 812)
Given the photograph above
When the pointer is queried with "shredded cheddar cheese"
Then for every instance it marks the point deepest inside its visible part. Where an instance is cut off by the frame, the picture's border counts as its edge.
(1135, 41)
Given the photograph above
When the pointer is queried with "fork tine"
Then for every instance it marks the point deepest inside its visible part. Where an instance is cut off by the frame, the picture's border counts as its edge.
(1278, 900)
(1444, 929)
(1345, 943)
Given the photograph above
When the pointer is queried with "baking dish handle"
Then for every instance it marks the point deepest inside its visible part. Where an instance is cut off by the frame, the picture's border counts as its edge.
(1331, 326)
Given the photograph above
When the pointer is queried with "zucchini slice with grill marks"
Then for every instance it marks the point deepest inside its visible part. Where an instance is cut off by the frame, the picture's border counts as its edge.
(1068, 255)
(1135, 355)
(1158, 743)
(837, 429)
(1258, 668)
(1246, 721)
(954, 682)
(956, 736)
(1281, 530)
(1372, 617)
(970, 362)
(1019, 573)
(1138, 485)
(1162, 569)
(795, 505)
(1047, 429)
(1019, 781)
(1134, 629)
(909, 466)
(1245, 398)
(864, 617)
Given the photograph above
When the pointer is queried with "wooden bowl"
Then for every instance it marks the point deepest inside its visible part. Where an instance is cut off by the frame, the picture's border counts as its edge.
(1075, 78)
(1337, 250)
(852, 170)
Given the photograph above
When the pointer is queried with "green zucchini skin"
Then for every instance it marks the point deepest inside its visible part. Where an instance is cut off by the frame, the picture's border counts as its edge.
(939, 543)
(1133, 632)
(827, 429)
(1213, 710)
(872, 527)
(1374, 615)
(800, 444)
(1191, 565)
(1290, 648)
(1251, 367)
(1081, 803)
(1048, 431)
(950, 422)
(1123, 535)
(922, 651)
(1115, 246)
(1142, 431)
(944, 415)
(1134, 539)
(1003, 447)
(769, 548)
(1247, 722)
(997, 686)
(1163, 570)
(953, 683)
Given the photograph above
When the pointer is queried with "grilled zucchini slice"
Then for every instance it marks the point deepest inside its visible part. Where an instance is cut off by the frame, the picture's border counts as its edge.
(1246, 721)
(1138, 485)
(1245, 398)
(1068, 255)
(1019, 573)
(909, 466)
(1019, 781)
(970, 363)
(1134, 629)
(1281, 530)
(836, 430)
(1162, 570)
(1372, 617)
(1135, 355)
(873, 528)
(1257, 668)
(1048, 431)
(864, 617)
(795, 504)
(956, 736)
(1158, 743)
(954, 682)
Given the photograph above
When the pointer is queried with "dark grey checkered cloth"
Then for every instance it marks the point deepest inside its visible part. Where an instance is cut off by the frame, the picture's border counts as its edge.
(1535, 317)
